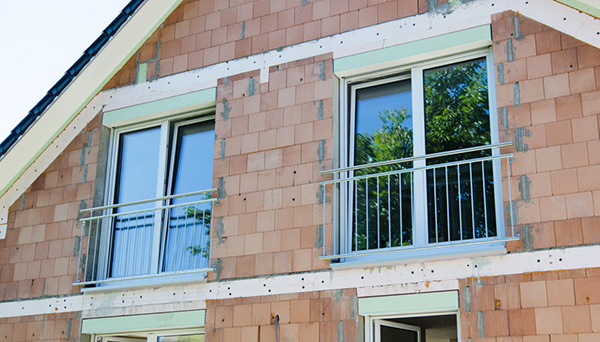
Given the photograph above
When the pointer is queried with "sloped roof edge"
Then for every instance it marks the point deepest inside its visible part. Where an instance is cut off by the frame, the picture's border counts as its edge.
(72, 93)
(70, 74)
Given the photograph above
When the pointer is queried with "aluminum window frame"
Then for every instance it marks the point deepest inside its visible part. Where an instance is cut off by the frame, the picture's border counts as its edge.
(373, 322)
(168, 130)
(147, 336)
(414, 71)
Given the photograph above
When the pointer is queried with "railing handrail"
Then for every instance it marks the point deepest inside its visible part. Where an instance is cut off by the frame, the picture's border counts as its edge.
(427, 167)
(150, 200)
(425, 157)
(99, 217)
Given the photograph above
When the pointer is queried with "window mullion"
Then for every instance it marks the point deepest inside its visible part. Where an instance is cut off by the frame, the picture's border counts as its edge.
(160, 191)
(420, 183)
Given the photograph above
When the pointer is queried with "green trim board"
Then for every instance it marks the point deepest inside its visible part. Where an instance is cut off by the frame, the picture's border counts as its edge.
(141, 73)
(408, 303)
(481, 36)
(162, 107)
(149, 322)
(586, 6)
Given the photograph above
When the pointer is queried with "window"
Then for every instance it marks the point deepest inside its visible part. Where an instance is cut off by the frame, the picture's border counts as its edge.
(160, 202)
(428, 316)
(439, 328)
(173, 326)
(178, 336)
(417, 167)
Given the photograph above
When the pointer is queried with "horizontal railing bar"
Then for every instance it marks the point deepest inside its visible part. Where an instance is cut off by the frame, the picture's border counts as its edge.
(92, 218)
(152, 275)
(430, 246)
(147, 200)
(425, 157)
(427, 167)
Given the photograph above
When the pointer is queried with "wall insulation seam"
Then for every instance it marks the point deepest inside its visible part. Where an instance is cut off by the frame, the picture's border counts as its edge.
(383, 280)
(581, 26)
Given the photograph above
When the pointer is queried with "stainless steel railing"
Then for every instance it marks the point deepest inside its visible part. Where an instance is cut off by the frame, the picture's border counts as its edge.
(432, 201)
(163, 236)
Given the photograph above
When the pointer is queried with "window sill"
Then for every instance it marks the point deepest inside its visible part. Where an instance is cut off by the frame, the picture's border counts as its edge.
(406, 256)
(197, 276)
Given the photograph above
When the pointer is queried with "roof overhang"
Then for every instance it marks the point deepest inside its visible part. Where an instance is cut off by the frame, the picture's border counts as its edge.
(40, 135)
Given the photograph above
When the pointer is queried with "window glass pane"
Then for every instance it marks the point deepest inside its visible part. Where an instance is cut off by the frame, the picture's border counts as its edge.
(456, 106)
(136, 180)
(383, 123)
(187, 236)
(460, 197)
(382, 205)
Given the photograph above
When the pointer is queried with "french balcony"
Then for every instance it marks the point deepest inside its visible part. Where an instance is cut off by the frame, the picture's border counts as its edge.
(161, 237)
(427, 206)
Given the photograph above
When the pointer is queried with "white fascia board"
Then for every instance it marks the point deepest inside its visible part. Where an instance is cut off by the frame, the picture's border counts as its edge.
(32, 147)
(416, 277)
(562, 18)
(45, 133)
(45, 306)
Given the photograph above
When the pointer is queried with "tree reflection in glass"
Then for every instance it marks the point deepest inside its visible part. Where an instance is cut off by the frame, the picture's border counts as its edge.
(460, 198)
(382, 206)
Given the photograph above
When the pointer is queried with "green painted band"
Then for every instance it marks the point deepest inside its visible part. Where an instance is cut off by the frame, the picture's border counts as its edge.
(450, 40)
(586, 6)
(171, 105)
(409, 303)
(149, 322)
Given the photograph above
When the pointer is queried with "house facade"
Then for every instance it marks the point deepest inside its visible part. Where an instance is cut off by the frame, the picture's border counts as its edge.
(346, 170)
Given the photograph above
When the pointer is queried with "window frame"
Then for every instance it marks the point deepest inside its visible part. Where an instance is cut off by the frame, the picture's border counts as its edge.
(150, 336)
(374, 322)
(168, 126)
(412, 70)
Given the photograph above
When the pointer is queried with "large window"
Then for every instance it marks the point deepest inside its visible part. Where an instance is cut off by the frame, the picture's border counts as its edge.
(157, 221)
(168, 159)
(417, 167)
